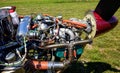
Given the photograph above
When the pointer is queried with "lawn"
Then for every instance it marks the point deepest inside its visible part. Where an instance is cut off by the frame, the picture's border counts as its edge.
(104, 54)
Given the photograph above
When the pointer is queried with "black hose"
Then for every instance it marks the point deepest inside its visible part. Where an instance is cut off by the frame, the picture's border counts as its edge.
(9, 45)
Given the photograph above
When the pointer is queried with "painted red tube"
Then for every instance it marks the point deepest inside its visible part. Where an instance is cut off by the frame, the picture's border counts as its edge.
(74, 24)
(103, 25)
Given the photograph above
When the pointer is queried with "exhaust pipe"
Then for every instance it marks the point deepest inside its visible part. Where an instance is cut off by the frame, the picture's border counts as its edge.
(48, 65)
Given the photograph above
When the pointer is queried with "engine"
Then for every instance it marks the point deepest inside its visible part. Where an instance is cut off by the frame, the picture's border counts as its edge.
(46, 31)
(42, 42)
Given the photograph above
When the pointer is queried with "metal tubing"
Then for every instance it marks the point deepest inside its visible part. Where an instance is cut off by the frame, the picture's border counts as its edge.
(44, 65)
(70, 51)
(48, 65)
(68, 31)
(55, 65)
(70, 47)
(67, 44)
(82, 42)
(55, 46)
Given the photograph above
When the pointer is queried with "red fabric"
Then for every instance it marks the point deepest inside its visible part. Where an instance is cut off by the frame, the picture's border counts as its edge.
(102, 25)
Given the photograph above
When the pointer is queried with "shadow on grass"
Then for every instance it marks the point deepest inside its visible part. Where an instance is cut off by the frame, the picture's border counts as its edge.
(90, 67)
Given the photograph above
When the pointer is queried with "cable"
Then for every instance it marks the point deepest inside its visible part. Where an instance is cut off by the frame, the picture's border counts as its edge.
(20, 61)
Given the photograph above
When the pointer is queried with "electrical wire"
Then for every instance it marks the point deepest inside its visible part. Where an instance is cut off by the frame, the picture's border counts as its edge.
(20, 61)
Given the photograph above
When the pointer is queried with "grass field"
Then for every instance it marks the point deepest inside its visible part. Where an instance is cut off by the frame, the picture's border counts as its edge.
(104, 54)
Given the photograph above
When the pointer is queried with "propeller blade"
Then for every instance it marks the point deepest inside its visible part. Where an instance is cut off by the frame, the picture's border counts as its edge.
(107, 8)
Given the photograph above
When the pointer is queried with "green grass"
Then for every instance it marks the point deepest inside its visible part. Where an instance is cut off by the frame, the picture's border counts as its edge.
(105, 51)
